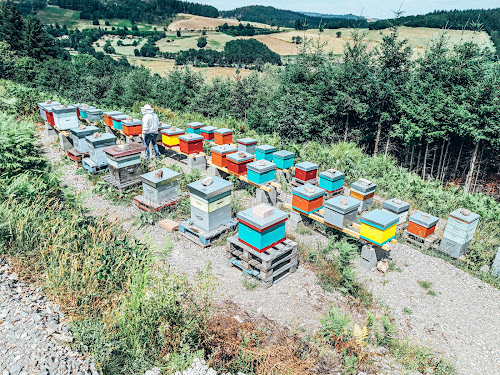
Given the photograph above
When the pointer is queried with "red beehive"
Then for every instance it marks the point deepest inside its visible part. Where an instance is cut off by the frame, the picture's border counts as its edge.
(306, 171)
(223, 136)
(191, 143)
(219, 154)
(237, 162)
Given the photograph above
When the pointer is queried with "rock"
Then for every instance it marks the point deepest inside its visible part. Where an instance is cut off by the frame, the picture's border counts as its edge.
(484, 268)
(153, 371)
(382, 266)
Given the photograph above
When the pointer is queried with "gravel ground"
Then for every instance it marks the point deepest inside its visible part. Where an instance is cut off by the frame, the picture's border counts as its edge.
(33, 337)
(461, 322)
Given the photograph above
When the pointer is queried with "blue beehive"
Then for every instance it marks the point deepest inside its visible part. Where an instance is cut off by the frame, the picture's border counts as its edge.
(264, 152)
(194, 127)
(94, 114)
(97, 144)
(84, 110)
(398, 207)
(261, 227)
(247, 145)
(331, 180)
(459, 232)
(78, 135)
(117, 121)
(261, 172)
(65, 117)
(283, 159)
(340, 211)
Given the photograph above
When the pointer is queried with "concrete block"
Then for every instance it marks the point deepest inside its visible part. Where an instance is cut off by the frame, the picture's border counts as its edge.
(295, 220)
(65, 142)
(197, 161)
(267, 197)
(108, 130)
(135, 139)
(368, 257)
(365, 205)
(495, 267)
(49, 129)
(281, 175)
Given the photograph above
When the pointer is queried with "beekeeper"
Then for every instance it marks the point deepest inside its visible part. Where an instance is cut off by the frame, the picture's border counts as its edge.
(150, 123)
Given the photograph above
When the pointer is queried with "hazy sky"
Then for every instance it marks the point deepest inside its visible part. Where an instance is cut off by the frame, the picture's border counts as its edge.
(368, 8)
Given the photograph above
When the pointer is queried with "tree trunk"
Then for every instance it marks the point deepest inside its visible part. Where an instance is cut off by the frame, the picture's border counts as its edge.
(377, 138)
(387, 145)
(458, 160)
(431, 175)
(447, 154)
(480, 161)
(411, 158)
(468, 180)
(441, 162)
(418, 162)
(425, 160)
(346, 127)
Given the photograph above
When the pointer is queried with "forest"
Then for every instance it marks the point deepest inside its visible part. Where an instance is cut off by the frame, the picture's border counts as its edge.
(438, 115)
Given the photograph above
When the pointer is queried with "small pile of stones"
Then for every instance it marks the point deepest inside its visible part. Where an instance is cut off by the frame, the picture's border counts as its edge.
(33, 338)
(199, 368)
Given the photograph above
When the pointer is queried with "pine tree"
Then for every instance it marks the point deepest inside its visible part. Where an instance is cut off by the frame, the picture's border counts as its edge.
(11, 25)
(37, 43)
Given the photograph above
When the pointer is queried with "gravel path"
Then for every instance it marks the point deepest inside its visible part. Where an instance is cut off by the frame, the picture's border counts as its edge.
(33, 338)
(461, 322)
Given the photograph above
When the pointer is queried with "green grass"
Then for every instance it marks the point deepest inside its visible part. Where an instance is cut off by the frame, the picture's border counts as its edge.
(52, 14)
(425, 284)
(407, 311)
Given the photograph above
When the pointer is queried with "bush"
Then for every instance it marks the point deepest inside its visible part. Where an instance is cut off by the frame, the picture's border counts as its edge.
(202, 42)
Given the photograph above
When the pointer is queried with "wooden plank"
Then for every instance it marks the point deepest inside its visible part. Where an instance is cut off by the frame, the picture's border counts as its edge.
(242, 178)
(178, 150)
(169, 225)
(275, 184)
(356, 226)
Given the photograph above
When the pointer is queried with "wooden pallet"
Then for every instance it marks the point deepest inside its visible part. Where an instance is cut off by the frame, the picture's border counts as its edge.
(332, 194)
(296, 182)
(119, 186)
(431, 242)
(92, 167)
(76, 156)
(264, 187)
(147, 205)
(266, 266)
(202, 238)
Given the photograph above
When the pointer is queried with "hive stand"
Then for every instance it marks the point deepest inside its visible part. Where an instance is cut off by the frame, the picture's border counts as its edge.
(495, 267)
(76, 156)
(371, 255)
(296, 182)
(49, 130)
(202, 238)
(148, 205)
(92, 167)
(270, 266)
(65, 141)
(430, 242)
(269, 197)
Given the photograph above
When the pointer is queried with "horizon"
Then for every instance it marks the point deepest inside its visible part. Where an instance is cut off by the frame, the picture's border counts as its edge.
(369, 9)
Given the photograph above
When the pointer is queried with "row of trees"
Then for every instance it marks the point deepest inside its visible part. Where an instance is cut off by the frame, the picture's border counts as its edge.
(439, 115)
(244, 30)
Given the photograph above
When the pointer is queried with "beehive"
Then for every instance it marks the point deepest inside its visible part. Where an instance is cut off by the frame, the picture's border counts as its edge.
(116, 121)
(378, 227)
(160, 186)
(237, 162)
(78, 135)
(208, 132)
(261, 172)
(219, 154)
(364, 191)
(132, 126)
(210, 207)
(306, 171)
(94, 114)
(84, 110)
(264, 152)
(340, 211)
(97, 143)
(65, 117)
(283, 159)
(108, 117)
(170, 137)
(161, 127)
(247, 145)
(191, 143)
(422, 224)
(459, 232)
(124, 163)
(331, 180)
(194, 128)
(398, 207)
(78, 106)
(43, 105)
(307, 198)
(223, 136)
(261, 227)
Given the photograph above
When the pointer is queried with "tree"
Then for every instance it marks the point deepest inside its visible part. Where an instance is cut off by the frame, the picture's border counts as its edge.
(106, 23)
(178, 33)
(339, 34)
(95, 22)
(11, 25)
(202, 42)
(38, 44)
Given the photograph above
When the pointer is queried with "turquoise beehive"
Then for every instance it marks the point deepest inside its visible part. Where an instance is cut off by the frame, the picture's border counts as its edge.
(283, 159)
(264, 152)
(117, 121)
(331, 180)
(261, 227)
(194, 127)
(261, 172)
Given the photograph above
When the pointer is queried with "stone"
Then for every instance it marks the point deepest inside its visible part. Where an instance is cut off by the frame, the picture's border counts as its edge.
(295, 220)
(495, 268)
(197, 161)
(485, 268)
(383, 266)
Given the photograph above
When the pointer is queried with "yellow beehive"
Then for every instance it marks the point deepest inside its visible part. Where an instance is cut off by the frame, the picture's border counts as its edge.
(170, 137)
(378, 227)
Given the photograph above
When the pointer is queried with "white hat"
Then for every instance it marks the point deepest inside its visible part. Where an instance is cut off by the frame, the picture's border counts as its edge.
(147, 109)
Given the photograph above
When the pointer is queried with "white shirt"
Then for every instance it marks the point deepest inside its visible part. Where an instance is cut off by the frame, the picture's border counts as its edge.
(150, 123)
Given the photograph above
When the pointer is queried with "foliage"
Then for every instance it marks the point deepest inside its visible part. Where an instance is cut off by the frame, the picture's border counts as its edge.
(244, 30)
(202, 42)
(248, 51)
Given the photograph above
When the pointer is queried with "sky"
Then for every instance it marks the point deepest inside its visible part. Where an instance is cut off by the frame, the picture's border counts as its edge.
(367, 8)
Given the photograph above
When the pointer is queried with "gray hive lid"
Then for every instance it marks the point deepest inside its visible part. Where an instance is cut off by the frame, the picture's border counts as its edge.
(134, 122)
(284, 154)
(127, 149)
(343, 205)
(207, 191)
(224, 149)
(64, 109)
(223, 131)
(86, 109)
(164, 126)
(173, 131)
(195, 125)
(424, 219)
(79, 105)
(119, 117)
(465, 215)
(332, 175)
(153, 178)
(112, 113)
(306, 166)
(191, 137)
(266, 148)
(309, 191)
(364, 186)
(262, 216)
(261, 166)
(240, 157)
(45, 104)
(88, 130)
(94, 110)
(209, 129)
(380, 219)
(247, 141)
(396, 205)
(105, 138)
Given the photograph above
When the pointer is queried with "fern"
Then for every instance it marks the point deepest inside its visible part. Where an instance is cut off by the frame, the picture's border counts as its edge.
(335, 322)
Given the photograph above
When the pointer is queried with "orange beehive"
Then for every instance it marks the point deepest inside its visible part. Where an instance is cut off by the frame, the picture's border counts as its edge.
(307, 198)
(219, 154)
(362, 197)
(107, 117)
(237, 162)
(422, 224)
(223, 136)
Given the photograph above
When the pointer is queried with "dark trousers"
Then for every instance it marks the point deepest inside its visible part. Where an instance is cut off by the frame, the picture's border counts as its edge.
(151, 138)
